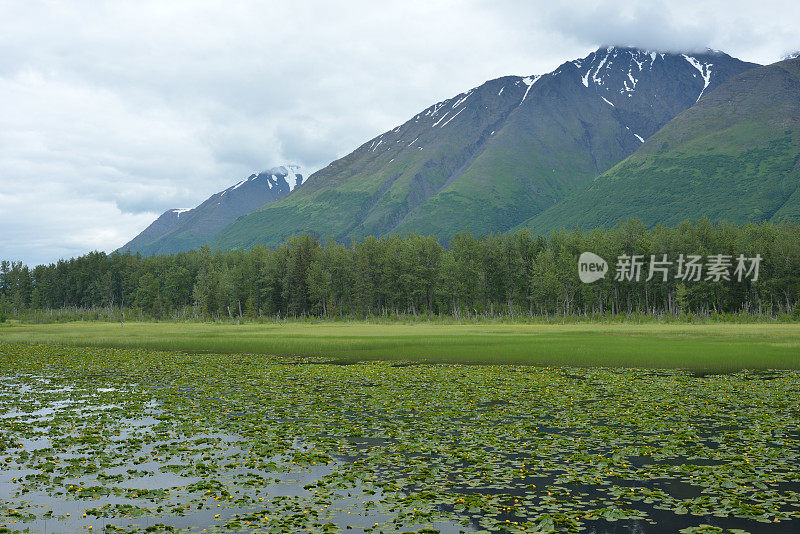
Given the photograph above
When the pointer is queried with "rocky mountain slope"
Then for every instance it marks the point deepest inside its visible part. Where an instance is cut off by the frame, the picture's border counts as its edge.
(495, 156)
(179, 230)
(733, 156)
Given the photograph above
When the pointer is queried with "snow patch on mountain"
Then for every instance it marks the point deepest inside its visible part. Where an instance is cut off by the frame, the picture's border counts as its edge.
(461, 100)
(178, 211)
(292, 173)
(529, 81)
(598, 64)
(599, 80)
(705, 72)
(440, 120)
(453, 117)
(431, 111)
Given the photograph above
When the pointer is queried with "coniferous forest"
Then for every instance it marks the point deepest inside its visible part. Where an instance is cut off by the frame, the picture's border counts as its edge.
(515, 274)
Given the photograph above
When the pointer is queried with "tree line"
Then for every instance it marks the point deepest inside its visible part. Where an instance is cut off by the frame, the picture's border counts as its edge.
(514, 274)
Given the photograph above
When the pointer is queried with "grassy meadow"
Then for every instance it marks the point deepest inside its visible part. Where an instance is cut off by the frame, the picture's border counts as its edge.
(699, 347)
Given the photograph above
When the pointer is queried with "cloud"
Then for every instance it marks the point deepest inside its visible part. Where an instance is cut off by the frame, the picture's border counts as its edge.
(638, 24)
(112, 112)
(752, 31)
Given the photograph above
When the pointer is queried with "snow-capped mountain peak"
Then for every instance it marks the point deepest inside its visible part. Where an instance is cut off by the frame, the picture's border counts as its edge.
(186, 228)
(292, 173)
(276, 177)
(601, 67)
(618, 71)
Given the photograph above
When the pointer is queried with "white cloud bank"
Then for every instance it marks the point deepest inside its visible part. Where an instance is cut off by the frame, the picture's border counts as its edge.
(112, 112)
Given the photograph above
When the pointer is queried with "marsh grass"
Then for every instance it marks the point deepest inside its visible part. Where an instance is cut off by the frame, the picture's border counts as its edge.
(718, 347)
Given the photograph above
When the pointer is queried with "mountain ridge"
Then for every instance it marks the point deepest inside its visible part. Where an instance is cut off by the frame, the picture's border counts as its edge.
(182, 229)
(495, 155)
(734, 156)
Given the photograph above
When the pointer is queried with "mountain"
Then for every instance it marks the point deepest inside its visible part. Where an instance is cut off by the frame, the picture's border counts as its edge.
(733, 156)
(179, 230)
(493, 157)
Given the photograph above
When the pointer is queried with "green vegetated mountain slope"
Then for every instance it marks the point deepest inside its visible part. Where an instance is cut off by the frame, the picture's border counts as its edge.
(734, 156)
(179, 230)
(493, 157)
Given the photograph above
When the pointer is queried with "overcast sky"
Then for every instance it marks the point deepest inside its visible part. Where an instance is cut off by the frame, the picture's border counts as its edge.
(112, 112)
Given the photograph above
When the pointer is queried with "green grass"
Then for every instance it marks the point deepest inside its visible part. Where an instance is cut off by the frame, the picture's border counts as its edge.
(702, 347)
